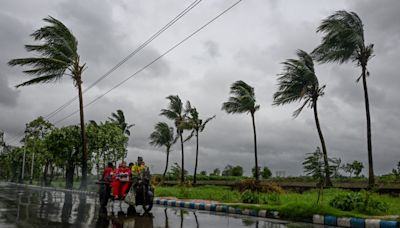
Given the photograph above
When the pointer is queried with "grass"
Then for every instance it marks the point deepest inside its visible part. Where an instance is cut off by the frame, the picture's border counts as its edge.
(290, 205)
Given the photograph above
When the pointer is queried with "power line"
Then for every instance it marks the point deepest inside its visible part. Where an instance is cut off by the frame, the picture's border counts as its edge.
(153, 61)
(143, 45)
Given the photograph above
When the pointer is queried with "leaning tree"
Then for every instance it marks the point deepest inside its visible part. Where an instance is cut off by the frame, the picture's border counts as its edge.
(343, 40)
(243, 100)
(56, 57)
(163, 135)
(298, 82)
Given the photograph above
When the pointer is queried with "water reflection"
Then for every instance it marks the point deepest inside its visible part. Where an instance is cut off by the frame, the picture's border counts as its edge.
(21, 207)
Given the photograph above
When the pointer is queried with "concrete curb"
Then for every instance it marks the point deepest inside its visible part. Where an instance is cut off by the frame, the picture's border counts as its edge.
(217, 208)
(317, 219)
(56, 189)
(354, 222)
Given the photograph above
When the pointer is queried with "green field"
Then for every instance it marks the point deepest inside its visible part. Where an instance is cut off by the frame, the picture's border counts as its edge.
(289, 204)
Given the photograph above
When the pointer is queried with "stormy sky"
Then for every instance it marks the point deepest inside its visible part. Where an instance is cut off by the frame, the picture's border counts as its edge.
(247, 43)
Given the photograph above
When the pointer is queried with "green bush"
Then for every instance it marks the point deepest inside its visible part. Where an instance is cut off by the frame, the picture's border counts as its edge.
(250, 197)
(347, 201)
(272, 198)
(365, 203)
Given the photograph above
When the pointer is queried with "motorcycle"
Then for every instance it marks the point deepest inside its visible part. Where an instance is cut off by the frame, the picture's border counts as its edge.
(140, 192)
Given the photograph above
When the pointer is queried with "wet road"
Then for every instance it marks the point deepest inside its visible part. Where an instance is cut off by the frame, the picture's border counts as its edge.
(22, 207)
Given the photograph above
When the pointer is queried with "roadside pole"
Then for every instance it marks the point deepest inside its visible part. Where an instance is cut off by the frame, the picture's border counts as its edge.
(33, 162)
(23, 166)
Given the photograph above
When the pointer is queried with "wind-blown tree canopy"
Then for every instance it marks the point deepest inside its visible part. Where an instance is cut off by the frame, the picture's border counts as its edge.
(55, 57)
(35, 132)
(243, 101)
(194, 123)
(163, 135)
(119, 118)
(107, 143)
(65, 145)
(298, 82)
(175, 113)
(343, 40)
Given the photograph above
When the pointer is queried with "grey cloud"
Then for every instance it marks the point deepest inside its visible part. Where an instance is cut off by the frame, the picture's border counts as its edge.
(8, 96)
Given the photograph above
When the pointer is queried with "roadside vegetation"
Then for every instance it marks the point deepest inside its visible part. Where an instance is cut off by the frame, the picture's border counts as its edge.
(291, 205)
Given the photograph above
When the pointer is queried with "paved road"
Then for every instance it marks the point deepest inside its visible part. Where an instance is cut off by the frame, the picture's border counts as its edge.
(22, 207)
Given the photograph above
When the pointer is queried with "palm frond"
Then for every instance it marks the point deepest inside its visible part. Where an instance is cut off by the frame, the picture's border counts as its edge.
(189, 136)
(169, 114)
(343, 38)
(57, 53)
(42, 79)
(205, 123)
(297, 82)
(243, 99)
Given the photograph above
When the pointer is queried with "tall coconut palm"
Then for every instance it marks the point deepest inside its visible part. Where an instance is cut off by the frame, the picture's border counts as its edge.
(343, 41)
(163, 135)
(243, 101)
(57, 56)
(119, 118)
(175, 113)
(298, 82)
(197, 125)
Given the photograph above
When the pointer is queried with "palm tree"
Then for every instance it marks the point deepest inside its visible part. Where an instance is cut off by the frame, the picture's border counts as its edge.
(175, 113)
(197, 125)
(163, 135)
(119, 118)
(298, 82)
(343, 41)
(56, 57)
(243, 101)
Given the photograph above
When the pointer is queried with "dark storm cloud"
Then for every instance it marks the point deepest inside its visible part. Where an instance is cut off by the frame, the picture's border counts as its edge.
(248, 43)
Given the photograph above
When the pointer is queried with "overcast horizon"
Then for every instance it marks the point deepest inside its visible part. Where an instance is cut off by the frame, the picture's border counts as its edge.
(247, 43)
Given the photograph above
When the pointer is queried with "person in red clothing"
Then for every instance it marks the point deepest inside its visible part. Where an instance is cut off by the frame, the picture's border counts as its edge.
(108, 173)
(121, 182)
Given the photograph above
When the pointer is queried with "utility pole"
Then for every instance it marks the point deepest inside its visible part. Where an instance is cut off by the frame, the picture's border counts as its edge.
(33, 161)
(23, 166)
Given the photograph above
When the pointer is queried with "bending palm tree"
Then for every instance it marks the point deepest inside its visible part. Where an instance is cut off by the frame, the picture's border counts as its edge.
(119, 118)
(175, 113)
(343, 41)
(299, 82)
(57, 56)
(243, 101)
(197, 125)
(163, 135)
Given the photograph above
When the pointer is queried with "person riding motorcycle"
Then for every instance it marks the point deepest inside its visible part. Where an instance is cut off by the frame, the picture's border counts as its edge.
(140, 171)
(121, 182)
(108, 173)
(138, 167)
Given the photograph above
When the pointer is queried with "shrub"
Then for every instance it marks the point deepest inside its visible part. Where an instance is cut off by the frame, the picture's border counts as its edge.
(347, 201)
(249, 196)
(365, 203)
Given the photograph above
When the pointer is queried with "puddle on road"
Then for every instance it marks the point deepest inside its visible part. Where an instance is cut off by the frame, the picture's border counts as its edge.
(20, 207)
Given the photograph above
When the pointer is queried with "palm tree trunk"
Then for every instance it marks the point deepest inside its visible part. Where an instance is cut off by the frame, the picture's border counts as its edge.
(183, 159)
(166, 164)
(328, 181)
(197, 157)
(255, 146)
(83, 135)
(371, 176)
